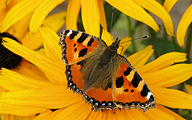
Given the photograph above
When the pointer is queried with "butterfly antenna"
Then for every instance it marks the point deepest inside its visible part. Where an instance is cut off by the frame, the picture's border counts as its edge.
(146, 36)
(112, 18)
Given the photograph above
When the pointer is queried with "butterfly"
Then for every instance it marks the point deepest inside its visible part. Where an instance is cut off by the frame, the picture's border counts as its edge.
(105, 79)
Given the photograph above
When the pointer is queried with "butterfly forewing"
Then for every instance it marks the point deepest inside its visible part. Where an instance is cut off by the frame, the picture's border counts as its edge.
(76, 45)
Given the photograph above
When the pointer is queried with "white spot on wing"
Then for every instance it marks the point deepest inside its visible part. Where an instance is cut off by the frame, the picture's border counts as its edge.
(149, 95)
(69, 33)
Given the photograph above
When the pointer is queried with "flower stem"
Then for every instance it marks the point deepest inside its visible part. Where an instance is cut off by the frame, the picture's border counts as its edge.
(165, 33)
(175, 44)
(130, 31)
(131, 34)
(188, 42)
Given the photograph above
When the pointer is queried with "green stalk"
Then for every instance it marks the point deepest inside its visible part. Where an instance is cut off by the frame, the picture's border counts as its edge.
(131, 34)
(188, 43)
(165, 33)
(175, 44)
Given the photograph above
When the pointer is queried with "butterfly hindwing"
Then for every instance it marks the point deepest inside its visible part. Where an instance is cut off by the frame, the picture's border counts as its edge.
(130, 90)
(99, 96)
(98, 83)
(75, 80)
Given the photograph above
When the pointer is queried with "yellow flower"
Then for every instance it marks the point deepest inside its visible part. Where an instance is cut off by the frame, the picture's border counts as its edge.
(36, 10)
(19, 32)
(183, 25)
(92, 12)
(20, 29)
(48, 97)
(189, 90)
(168, 4)
(184, 22)
(32, 41)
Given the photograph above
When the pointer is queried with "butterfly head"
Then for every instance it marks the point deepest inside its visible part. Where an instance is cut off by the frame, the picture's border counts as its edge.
(115, 45)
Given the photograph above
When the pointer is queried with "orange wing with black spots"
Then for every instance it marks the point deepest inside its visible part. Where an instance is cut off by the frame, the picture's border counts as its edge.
(98, 98)
(130, 90)
(105, 79)
(75, 45)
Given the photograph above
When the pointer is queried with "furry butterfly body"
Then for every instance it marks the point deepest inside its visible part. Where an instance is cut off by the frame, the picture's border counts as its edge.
(105, 79)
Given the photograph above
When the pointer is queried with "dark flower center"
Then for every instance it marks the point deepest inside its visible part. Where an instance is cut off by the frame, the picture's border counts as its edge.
(8, 59)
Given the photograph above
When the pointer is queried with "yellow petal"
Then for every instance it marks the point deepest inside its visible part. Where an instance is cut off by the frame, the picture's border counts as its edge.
(5, 6)
(189, 88)
(107, 37)
(43, 115)
(41, 12)
(172, 98)
(168, 4)
(157, 9)
(50, 97)
(28, 69)
(32, 41)
(70, 113)
(158, 115)
(20, 28)
(163, 61)
(56, 20)
(15, 117)
(133, 10)
(45, 64)
(116, 114)
(138, 59)
(134, 114)
(3, 11)
(90, 17)
(73, 9)
(19, 110)
(10, 86)
(28, 117)
(169, 76)
(14, 15)
(183, 25)
(93, 115)
(50, 43)
(173, 114)
(18, 81)
(48, 115)
(124, 44)
(102, 14)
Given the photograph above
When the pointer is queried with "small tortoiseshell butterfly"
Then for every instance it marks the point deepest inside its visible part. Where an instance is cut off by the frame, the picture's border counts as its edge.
(106, 79)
